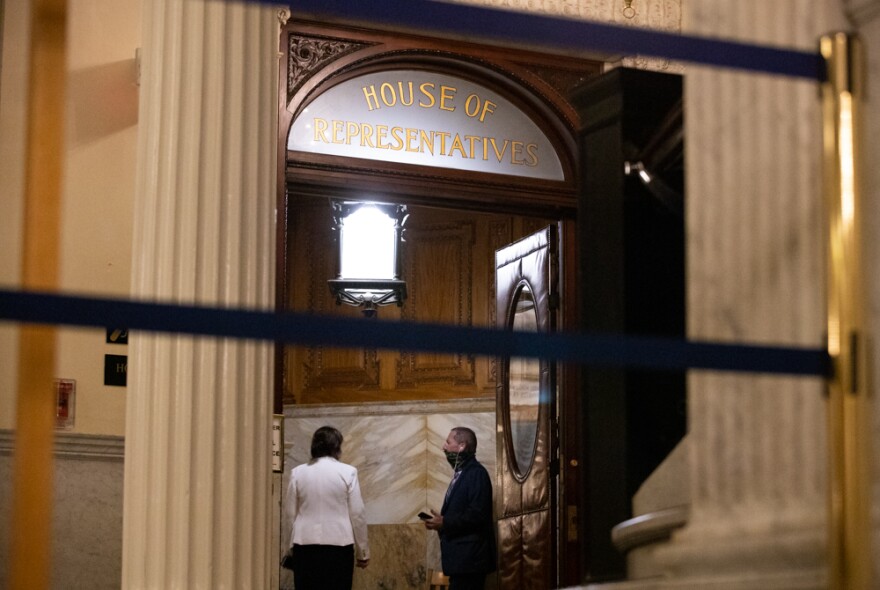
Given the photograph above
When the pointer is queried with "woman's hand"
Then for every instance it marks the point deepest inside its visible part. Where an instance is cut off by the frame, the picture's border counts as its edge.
(362, 563)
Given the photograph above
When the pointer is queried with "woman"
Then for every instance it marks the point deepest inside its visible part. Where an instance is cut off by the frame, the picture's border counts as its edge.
(327, 517)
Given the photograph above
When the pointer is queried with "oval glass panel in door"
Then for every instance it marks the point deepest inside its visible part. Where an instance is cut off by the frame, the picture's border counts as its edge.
(523, 391)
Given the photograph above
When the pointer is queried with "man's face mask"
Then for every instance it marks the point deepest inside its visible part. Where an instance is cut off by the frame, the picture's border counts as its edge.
(456, 458)
(452, 458)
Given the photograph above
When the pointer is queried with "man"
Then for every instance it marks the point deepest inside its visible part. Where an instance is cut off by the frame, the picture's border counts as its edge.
(465, 523)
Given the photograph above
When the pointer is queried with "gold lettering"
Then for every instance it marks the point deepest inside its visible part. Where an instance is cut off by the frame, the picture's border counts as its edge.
(320, 130)
(427, 89)
(397, 135)
(381, 136)
(457, 145)
(426, 141)
(443, 136)
(352, 129)
(532, 150)
(417, 140)
(471, 151)
(447, 93)
(499, 155)
(367, 135)
(337, 131)
(516, 148)
(412, 136)
(371, 94)
(388, 102)
(488, 108)
(402, 94)
(472, 111)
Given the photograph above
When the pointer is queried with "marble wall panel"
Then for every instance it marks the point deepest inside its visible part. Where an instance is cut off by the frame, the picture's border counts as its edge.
(397, 448)
(397, 560)
(388, 452)
(86, 514)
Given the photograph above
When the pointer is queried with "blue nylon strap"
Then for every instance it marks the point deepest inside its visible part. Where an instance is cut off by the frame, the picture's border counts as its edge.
(294, 328)
(481, 24)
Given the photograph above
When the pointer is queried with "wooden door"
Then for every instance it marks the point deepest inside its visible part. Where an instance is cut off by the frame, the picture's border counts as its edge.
(526, 280)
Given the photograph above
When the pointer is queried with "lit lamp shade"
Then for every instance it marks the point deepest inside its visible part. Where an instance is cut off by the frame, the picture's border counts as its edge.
(369, 237)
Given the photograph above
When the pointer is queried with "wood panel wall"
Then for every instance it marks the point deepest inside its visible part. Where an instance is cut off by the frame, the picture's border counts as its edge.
(448, 259)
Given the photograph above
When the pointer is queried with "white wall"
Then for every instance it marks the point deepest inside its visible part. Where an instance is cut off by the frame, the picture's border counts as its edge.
(98, 189)
(13, 78)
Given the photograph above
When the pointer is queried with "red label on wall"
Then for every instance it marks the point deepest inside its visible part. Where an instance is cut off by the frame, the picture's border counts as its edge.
(65, 403)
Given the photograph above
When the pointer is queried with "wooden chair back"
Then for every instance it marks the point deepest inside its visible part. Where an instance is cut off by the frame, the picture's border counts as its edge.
(436, 580)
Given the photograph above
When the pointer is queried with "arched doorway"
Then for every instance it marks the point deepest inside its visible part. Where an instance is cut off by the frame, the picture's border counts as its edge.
(480, 144)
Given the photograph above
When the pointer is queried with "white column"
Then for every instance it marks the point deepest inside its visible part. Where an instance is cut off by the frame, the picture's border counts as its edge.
(755, 252)
(198, 475)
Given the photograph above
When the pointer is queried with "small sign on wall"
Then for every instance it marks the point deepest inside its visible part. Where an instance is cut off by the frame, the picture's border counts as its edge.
(117, 336)
(65, 403)
(115, 369)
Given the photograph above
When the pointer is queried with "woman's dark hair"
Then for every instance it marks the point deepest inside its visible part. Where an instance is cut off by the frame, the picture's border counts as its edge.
(326, 442)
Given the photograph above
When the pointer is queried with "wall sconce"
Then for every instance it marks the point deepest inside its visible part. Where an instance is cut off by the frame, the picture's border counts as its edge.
(369, 237)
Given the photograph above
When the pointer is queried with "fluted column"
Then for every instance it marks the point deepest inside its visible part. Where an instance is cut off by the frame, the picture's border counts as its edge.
(755, 274)
(198, 475)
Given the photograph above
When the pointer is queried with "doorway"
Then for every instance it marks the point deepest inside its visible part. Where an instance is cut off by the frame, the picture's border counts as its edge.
(504, 169)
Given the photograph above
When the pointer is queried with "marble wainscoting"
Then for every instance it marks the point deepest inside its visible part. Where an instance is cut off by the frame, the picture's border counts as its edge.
(87, 510)
(396, 448)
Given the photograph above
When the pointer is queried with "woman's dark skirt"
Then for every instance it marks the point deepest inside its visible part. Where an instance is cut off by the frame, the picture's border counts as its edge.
(323, 567)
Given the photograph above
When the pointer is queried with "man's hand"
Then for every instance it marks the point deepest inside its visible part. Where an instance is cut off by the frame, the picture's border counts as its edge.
(435, 523)
(362, 563)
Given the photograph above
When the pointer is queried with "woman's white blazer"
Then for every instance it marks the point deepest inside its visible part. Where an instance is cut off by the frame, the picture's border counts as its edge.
(325, 506)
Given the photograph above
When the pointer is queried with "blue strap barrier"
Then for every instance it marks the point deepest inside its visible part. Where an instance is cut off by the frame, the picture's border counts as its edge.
(305, 329)
(559, 33)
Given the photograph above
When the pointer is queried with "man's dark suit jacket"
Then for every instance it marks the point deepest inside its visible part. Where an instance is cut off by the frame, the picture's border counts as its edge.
(467, 539)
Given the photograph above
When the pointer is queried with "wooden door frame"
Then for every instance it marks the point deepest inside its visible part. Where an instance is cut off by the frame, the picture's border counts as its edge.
(570, 542)
(543, 83)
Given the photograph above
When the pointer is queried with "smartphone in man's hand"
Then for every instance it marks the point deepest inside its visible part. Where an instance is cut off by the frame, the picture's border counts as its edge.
(425, 516)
